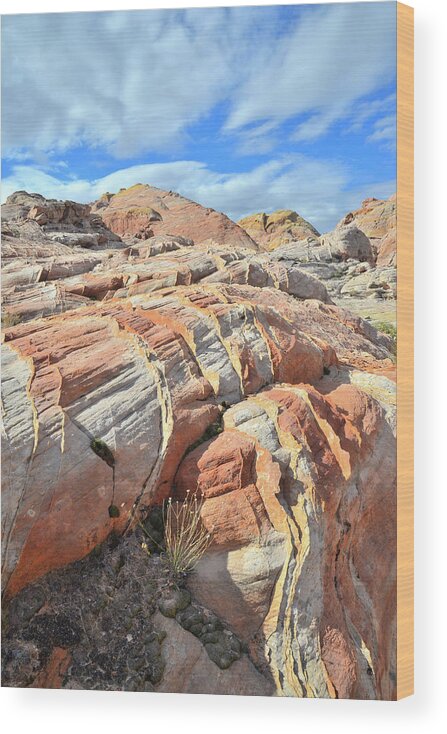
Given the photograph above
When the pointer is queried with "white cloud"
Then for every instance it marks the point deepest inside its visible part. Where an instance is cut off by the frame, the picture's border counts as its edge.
(384, 131)
(365, 111)
(318, 124)
(129, 81)
(334, 56)
(318, 190)
(136, 81)
(257, 140)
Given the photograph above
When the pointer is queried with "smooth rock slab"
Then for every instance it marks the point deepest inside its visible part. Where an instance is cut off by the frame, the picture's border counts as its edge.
(189, 669)
(147, 377)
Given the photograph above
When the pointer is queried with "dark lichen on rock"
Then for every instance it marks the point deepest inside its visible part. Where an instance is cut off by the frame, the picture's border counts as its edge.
(175, 600)
(100, 448)
(221, 645)
(113, 511)
(100, 609)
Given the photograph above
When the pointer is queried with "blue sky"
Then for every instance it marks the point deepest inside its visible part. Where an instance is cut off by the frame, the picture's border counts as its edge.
(242, 109)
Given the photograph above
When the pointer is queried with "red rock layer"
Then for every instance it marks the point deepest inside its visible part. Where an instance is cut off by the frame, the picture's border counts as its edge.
(144, 210)
(300, 499)
(146, 377)
(377, 219)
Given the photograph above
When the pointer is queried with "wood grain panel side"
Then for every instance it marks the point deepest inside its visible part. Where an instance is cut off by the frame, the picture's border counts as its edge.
(405, 351)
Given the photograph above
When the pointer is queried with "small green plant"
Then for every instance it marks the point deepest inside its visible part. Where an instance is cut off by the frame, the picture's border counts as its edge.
(114, 511)
(386, 328)
(101, 449)
(213, 430)
(186, 537)
(10, 319)
(390, 330)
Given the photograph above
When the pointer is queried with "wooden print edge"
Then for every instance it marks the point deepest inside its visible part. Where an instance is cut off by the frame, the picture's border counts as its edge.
(405, 351)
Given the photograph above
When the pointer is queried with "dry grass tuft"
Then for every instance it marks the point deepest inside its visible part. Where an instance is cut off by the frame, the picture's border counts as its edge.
(186, 537)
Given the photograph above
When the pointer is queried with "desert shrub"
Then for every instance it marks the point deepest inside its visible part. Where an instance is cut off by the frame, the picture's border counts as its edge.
(390, 330)
(386, 328)
(186, 537)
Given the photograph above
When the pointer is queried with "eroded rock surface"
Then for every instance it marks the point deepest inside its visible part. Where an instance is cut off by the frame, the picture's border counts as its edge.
(347, 242)
(270, 231)
(356, 260)
(66, 222)
(41, 286)
(146, 376)
(45, 240)
(377, 219)
(183, 359)
(142, 211)
(141, 273)
(300, 496)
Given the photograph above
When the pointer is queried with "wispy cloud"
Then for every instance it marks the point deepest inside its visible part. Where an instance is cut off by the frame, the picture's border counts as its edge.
(331, 59)
(128, 81)
(256, 140)
(135, 82)
(384, 131)
(365, 111)
(318, 190)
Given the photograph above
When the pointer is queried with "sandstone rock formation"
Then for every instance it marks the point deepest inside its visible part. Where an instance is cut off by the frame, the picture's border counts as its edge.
(189, 669)
(35, 300)
(142, 211)
(43, 242)
(46, 272)
(287, 487)
(152, 367)
(118, 277)
(34, 287)
(68, 222)
(127, 373)
(272, 230)
(347, 242)
(107, 634)
(356, 261)
(377, 219)
(358, 286)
